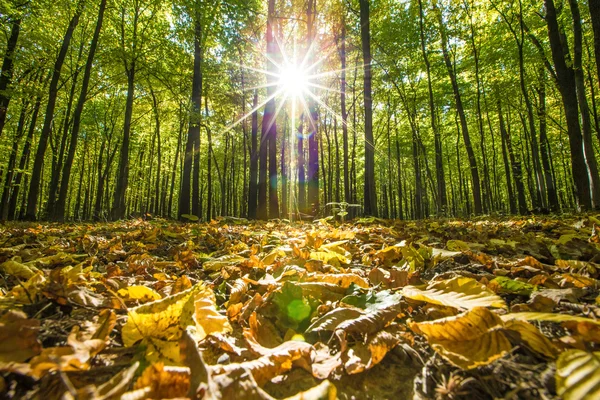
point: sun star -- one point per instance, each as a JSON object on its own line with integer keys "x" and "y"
{"x": 293, "y": 80}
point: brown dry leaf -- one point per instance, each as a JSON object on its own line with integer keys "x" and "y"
{"x": 164, "y": 382}
{"x": 18, "y": 337}
{"x": 467, "y": 340}
{"x": 586, "y": 330}
{"x": 264, "y": 331}
{"x": 273, "y": 362}
{"x": 331, "y": 320}
{"x": 181, "y": 284}
{"x": 74, "y": 357}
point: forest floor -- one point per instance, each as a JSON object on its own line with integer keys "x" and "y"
{"x": 371, "y": 309}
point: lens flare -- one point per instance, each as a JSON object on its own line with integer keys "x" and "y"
{"x": 293, "y": 80}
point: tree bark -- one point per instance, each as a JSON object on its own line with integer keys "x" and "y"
{"x": 252, "y": 184}
{"x": 7, "y": 70}
{"x": 370, "y": 195}
{"x": 567, "y": 87}
{"x": 193, "y": 137}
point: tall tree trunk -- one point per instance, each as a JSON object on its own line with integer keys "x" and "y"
{"x": 442, "y": 202}
{"x": 38, "y": 164}
{"x": 370, "y": 196}
{"x": 252, "y": 184}
{"x": 567, "y": 87}
{"x": 313, "y": 119}
{"x": 59, "y": 213}
{"x": 10, "y": 169}
{"x": 301, "y": 168}
{"x": 553, "y": 203}
{"x": 595, "y": 17}
{"x": 157, "y": 186}
{"x": 267, "y": 179}
{"x": 119, "y": 206}
{"x": 584, "y": 109}
{"x": 190, "y": 166}
{"x": 515, "y": 164}
{"x": 12, "y": 208}
{"x": 476, "y": 185}
{"x": 347, "y": 195}
{"x": 7, "y": 70}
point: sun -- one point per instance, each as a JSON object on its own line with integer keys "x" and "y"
{"x": 294, "y": 80}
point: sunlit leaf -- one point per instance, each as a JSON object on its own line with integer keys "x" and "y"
{"x": 468, "y": 340}
{"x": 578, "y": 375}
{"x": 458, "y": 292}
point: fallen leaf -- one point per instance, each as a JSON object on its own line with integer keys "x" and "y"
{"x": 459, "y": 292}
{"x": 468, "y": 340}
{"x": 578, "y": 375}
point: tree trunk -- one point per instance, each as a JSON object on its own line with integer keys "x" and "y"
{"x": 586, "y": 120}
{"x": 38, "y": 164}
{"x": 252, "y": 184}
{"x": 567, "y": 87}
{"x": 267, "y": 180}
{"x": 192, "y": 146}
{"x": 370, "y": 196}
{"x": 595, "y": 17}
{"x": 7, "y": 70}
{"x": 515, "y": 163}
{"x": 6, "y": 193}
{"x": 553, "y": 203}
{"x": 301, "y": 168}
{"x": 347, "y": 195}
{"x": 313, "y": 119}
{"x": 463, "y": 119}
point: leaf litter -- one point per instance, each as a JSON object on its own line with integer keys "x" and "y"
{"x": 372, "y": 309}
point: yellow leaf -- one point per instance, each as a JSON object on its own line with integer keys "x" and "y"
{"x": 342, "y": 280}
{"x": 15, "y": 268}
{"x": 468, "y": 340}
{"x": 459, "y": 292}
{"x": 160, "y": 324}
{"x": 272, "y": 256}
{"x": 540, "y": 316}
{"x": 578, "y": 375}
{"x": 329, "y": 257}
{"x": 139, "y": 293}
{"x": 324, "y": 391}
{"x": 533, "y": 338}
{"x": 27, "y": 293}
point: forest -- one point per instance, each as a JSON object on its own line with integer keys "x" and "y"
{"x": 300, "y": 199}
{"x": 287, "y": 109}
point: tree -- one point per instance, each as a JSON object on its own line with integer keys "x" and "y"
{"x": 370, "y": 196}
{"x": 59, "y": 213}
{"x": 32, "y": 199}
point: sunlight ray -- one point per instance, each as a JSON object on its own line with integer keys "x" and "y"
{"x": 249, "y": 113}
